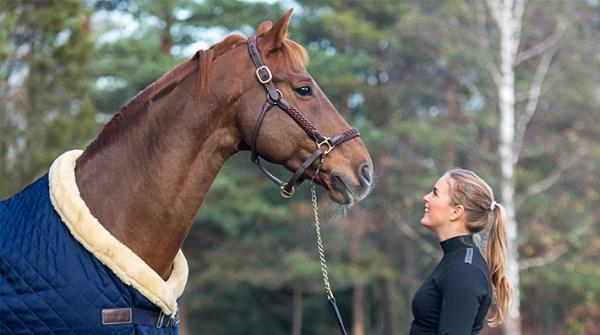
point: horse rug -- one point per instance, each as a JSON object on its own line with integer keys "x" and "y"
{"x": 62, "y": 272}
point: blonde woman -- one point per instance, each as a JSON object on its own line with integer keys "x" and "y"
{"x": 456, "y": 296}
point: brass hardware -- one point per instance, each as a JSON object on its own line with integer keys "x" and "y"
{"x": 278, "y": 92}
{"x": 284, "y": 193}
{"x": 268, "y": 72}
{"x": 326, "y": 142}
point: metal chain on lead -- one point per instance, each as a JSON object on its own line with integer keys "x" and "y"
{"x": 330, "y": 297}
{"x": 320, "y": 247}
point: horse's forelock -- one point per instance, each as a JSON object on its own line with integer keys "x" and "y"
{"x": 296, "y": 55}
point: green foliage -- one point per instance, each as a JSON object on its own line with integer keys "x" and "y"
{"x": 412, "y": 76}
{"x": 46, "y": 49}
{"x": 126, "y": 67}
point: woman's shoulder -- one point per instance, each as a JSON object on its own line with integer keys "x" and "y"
{"x": 464, "y": 262}
{"x": 467, "y": 255}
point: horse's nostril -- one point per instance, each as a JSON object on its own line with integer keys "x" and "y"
{"x": 366, "y": 174}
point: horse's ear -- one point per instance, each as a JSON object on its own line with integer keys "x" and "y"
{"x": 275, "y": 36}
{"x": 264, "y": 27}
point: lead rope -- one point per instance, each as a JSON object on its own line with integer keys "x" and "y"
{"x": 321, "y": 249}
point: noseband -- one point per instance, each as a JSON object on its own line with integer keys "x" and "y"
{"x": 324, "y": 144}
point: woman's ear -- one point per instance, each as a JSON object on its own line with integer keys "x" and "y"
{"x": 456, "y": 212}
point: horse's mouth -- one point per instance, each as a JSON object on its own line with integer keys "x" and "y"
{"x": 339, "y": 191}
{"x": 342, "y": 191}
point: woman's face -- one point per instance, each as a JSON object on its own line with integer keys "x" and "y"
{"x": 437, "y": 205}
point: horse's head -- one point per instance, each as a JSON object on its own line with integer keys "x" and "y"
{"x": 283, "y": 116}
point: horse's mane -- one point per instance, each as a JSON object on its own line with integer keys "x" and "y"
{"x": 135, "y": 106}
{"x": 294, "y": 55}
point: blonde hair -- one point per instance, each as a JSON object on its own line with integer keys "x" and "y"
{"x": 476, "y": 196}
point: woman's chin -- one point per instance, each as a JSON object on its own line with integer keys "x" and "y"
{"x": 425, "y": 222}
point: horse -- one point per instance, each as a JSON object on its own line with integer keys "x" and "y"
{"x": 110, "y": 221}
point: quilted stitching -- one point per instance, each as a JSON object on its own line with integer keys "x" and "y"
{"x": 49, "y": 284}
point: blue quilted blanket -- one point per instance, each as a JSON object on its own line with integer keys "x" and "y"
{"x": 61, "y": 272}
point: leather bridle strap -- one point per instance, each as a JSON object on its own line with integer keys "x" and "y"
{"x": 275, "y": 97}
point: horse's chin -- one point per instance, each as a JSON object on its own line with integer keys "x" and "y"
{"x": 342, "y": 198}
{"x": 339, "y": 191}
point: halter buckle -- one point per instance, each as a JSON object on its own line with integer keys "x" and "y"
{"x": 264, "y": 74}
{"x": 327, "y": 143}
{"x": 275, "y": 101}
{"x": 284, "y": 193}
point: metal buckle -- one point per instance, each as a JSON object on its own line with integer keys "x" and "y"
{"x": 284, "y": 193}
{"x": 327, "y": 142}
{"x": 161, "y": 318}
{"x": 278, "y": 99}
{"x": 159, "y": 321}
{"x": 264, "y": 74}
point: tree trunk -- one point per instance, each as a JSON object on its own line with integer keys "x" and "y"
{"x": 183, "y": 329}
{"x": 452, "y": 107}
{"x": 358, "y": 308}
{"x": 297, "y": 312}
{"x": 388, "y": 310}
{"x": 358, "y": 298}
{"x": 166, "y": 39}
{"x": 509, "y": 30}
{"x": 389, "y": 314}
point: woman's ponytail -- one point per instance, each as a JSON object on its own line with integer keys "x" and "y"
{"x": 496, "y": 258}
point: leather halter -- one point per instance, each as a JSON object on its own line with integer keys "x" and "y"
{"x": 275, "y": 97}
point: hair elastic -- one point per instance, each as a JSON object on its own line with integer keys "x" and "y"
{"x": 493, "y": 205}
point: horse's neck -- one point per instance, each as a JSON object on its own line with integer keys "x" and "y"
{"x": 146, "y": 184}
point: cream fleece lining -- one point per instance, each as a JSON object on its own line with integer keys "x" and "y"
{"x": 86, "y": 229}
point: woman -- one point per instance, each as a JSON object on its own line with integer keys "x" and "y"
{"x": 456, "y": 296}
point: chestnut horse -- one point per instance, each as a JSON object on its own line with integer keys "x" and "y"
{"x": 147, "y": 173}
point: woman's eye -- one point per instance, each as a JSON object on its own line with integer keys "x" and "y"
{"x": 304, "y": 91}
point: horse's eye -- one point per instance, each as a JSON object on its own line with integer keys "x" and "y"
{"x": 304, "y": 91}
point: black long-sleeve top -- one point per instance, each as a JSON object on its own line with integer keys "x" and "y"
{"x": 456, "y": 296}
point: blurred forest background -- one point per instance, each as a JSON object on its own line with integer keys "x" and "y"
{"x": 509, "y": 89}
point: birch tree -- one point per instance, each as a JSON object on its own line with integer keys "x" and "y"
{"x": 508, "y": 16}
